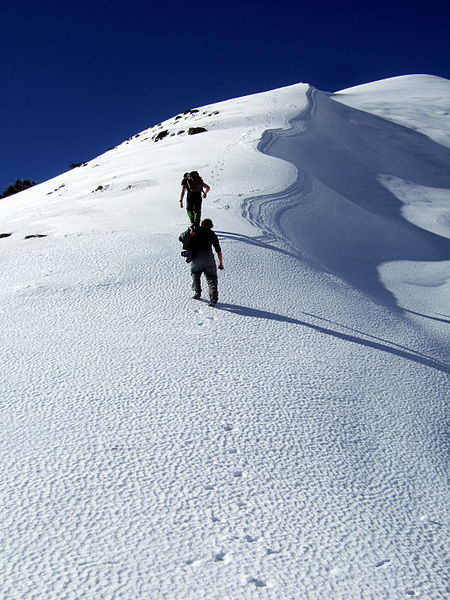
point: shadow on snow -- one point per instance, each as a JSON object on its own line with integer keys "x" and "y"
{"x": 355, "y": 223}
{"x": 374, "y": 343}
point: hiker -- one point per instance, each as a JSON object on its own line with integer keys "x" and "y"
{"x": 196, "y": 190}
{"x": 197, "y": 242}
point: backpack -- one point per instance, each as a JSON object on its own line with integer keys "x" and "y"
{"x": 194, "y": 182}
{"x": 188, "y": 251}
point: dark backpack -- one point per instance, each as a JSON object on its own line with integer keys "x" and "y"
{"x": 188, "y": 250}
{"x": 194, "y": 182}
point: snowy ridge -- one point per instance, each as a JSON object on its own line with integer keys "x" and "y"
{"x": 289, "y": 444}
{"x": 344, "y": 176}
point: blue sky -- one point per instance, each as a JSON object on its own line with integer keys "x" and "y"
{"x": 80, "y": 78}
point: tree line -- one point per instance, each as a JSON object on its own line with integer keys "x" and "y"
{"x": 24, "y": 184}
{"x": 19, "y": 186}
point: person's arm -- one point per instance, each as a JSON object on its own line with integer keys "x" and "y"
{"x": 218, "y": 249}
{"x": 183, "y": 191}
{"x": 206, "y": 189}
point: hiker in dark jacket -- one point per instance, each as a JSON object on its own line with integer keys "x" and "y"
{"x": 197, "y": 190}
{"x": 199, "y": 240}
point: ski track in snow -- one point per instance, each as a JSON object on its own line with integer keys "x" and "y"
{"x": 302, "y": 455}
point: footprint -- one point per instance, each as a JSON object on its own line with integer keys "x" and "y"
{"x": 193, "y": 561}
{"x": 237, "y": 474}
{"x": 228, "y": 427}
{"x": 382, "y": 562}
{"x": 259, "y": 583}
{"x": 250, "y": 539}
{"x": 221, "y": 557}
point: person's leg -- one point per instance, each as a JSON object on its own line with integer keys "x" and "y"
{"x": 211, "y": 278}
{"x": 196, "y": 281}
{"x": 197, "y": 209}
{"x": 192, "y": 216}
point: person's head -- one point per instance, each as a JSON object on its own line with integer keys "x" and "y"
{"x": 207, "y": 223}
{"x": 193, "y": 229}
{"x": 193, "y": 174}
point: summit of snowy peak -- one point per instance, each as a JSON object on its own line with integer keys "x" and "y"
{"x": 399, "y": 85}
{"x": 128, "y": 186}
{"x": 419, "y": 102}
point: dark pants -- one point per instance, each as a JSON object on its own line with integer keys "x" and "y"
{"x": 194, "y": 206}
{"x": 194, "y": 216}
{"x": 209, "y": 269}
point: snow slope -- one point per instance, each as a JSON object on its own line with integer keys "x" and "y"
{"x": 289, "y": 444}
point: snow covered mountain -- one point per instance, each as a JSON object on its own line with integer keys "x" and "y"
{"x": 288, "y": 444}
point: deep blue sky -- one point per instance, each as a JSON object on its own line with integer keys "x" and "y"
{"x": 78, "y": 78}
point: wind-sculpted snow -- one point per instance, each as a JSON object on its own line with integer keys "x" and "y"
{"x": 289, "y": 444}
{"x": 340, "y": 211}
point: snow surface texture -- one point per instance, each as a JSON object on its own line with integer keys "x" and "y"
{"x": 292, "y": 442}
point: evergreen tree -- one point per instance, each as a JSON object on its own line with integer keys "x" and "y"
{"x": 19, "y": 186}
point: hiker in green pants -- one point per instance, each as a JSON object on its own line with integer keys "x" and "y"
{"x": 196, "y": 190}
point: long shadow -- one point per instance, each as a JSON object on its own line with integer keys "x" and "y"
{"x": 259, "y": 241}
{"x": 413, "y": 312}
{"x": 361, "y": 225}
{"x": 374, "y": 337}
{"x": 412, "y": 355}
{"x": 256, "y": 241}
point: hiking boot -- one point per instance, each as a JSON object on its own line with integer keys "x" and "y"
{"x": 212, "y": 304}
{"x": 196, "y": 297}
